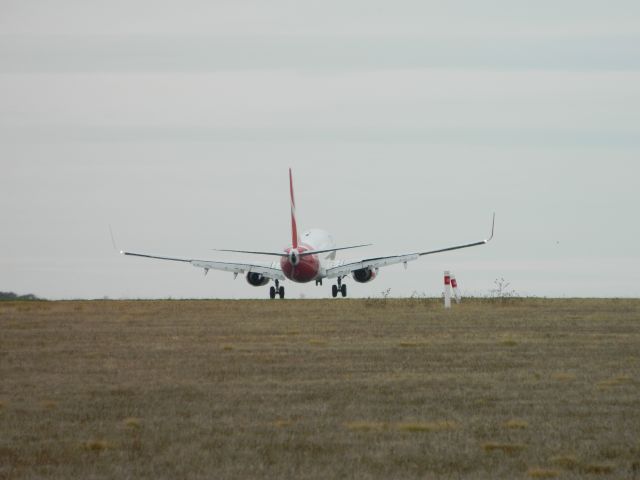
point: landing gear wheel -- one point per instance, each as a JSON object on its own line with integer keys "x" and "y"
{"x": 339, "y": 288}
{"x": 281, "y": 292}
{"x": 272, "y": 292}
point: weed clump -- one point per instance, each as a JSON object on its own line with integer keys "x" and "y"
{"x": 502, "y": 293}
{"x": 563, "y": 377}
{"x": 132, "y": 422}
{"x": 439, "y": 426}
{"x": 516, "y": 424}
{"x": 599, "y": 469}
{"x": 96, "y": 445}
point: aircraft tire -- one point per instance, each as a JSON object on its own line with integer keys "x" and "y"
{"x": 281, "y": 292}
{"x": 343, "y": 290}
{"x": 272, "y": 292}
{"x": 334, "y": 291}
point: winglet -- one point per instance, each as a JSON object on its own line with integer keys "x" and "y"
{"x": 493, "y": 226}
{"x": 295, "y": 239}
{"x": 113, "y": 241}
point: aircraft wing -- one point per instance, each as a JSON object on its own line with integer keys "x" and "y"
{"x": 377, "y": 262}
{"x": 347, "y": 268}
{"x": 234, "y": 267}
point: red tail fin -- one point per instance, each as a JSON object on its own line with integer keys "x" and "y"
{"x": 294, "y": 227}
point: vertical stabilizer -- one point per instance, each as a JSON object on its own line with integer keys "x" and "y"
{"x": 294, "y": 226}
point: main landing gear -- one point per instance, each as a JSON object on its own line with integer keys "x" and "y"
{"x": 340, "y": 287}
{"x": 277, "y": 290}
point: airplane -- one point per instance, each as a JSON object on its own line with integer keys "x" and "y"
{"x": 310, "y": 258}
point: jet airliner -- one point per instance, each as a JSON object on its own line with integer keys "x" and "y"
{"x": 310, "y": 258}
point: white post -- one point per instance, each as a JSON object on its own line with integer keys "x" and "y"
{"x": 454, "y": 285}
{"x": 447, "y": 289}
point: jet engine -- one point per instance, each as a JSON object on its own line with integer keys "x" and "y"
{"x": 364, "y": 275}
{"x": 257, "y": 279}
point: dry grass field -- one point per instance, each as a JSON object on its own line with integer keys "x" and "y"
{"x": 320, "y": 389}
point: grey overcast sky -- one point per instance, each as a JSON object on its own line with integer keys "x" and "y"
{"x": 406, "y": 124}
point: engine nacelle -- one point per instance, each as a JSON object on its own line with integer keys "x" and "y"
{"x": 257, "y": 279}
{"x": 364, "y": 275}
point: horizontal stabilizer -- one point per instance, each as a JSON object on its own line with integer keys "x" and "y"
{"x": 313, "y": 252}
{"x": 284, "y": 254}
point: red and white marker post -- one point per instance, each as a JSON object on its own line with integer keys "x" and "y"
{"x": 454, "y": 285}
{"x": 447, "y": 289}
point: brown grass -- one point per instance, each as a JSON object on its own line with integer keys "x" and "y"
{"x": 563, "y": 377}
{"x": 568, "y": 462}
{"x": 319, "y": 389}
{"x": 615, "y": 381}
{"x": 48, "y": 404}
{"x": 542, "y": 473}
